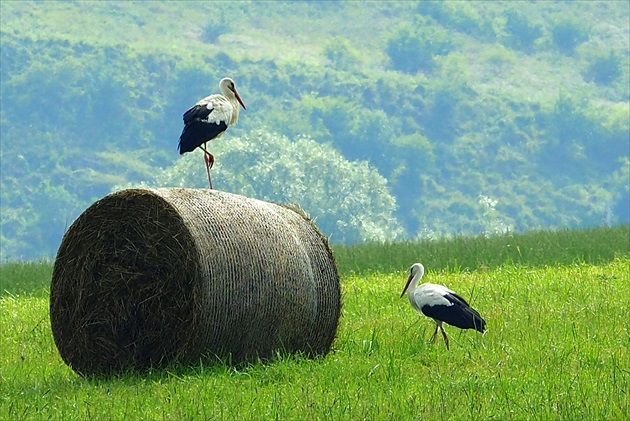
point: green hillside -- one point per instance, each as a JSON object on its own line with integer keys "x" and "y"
{"x": 473, "y": 117}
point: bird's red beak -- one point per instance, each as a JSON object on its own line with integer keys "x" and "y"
{"x": 238, "y": 98}
{"x": 406, "y": 285}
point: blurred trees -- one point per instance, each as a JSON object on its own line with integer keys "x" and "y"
{"x": 458, "y": 16}
{"x": 444, "y": 135}
{"x": 413, "y": 47}
{"x": 342, "y": 54}
{"x": 604, "y": 68}
{"x": 567, "y": 33}
{"x": 349, "y": 200}
{"x": 522, "y": 30}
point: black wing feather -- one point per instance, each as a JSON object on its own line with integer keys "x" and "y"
{"x": 197, "y": 132}
{"x": 455, "y": 295}
{"x": 196, "y": 112}
{"x": 460, "y": 314}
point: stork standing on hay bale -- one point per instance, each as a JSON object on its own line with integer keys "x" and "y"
{"x": 208, "y": 119}
{"x": 441, "y": 304}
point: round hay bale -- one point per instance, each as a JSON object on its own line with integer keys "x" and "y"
{"x": 144, "y": 278}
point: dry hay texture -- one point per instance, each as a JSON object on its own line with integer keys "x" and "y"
{"x": 145, "y": 278}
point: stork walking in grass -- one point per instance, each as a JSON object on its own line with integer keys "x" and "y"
{"x": 208, "y": 119}
{"x": 441, "y": 304}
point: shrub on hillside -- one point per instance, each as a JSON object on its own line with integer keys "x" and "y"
{"x": 604, "y": 69}
{"x": 216, "y": 26}
{"x": 341, "y": 54}
{"x": 412, "y": 48}
{"x": 460, "y": 16}
{"x": 522, "y": 30}
{"x": 567, "y": 34}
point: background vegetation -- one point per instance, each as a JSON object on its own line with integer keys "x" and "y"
{"x": 556, "y": 346}
{"x": 441, "y": 118}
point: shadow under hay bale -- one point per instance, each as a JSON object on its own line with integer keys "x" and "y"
{"x": 144, "y": 278}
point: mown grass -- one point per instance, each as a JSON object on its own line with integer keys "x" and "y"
{"x": 556, "y": 348}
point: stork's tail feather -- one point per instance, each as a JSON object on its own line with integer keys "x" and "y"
{"x": 192, "y": 136}
{"x": 479, "y": 324}
{"x": 196, "y": 133}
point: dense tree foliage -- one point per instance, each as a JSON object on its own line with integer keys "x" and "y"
{"x": 568, "y": 33}
{"x": 605, "y": 69}
{"x": 349, "y": 200}
{"x": 522, "y": 30}
{"x": 413, "y": 47}
{"x": 408, "y": 119}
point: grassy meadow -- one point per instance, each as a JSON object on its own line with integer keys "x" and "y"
{"x": 556, "y": 347}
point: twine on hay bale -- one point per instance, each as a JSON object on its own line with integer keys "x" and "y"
{"x": 147, "y": 277}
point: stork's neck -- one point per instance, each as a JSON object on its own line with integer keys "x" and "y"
{"x": 235, "y": 107}
{"x": 412, "y": 287}
{"x": 417, "y": 272}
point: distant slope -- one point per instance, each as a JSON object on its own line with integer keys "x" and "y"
{"x": 501, "y": 129}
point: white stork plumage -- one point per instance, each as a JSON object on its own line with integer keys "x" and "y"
{"x": 208, "y": 119}
{"x": 441, "y": 304}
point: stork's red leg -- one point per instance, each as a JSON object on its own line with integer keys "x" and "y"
{"x": 445, "y": 338}
{"x": 208, "y": 156}
{"x": 434, "y": 334}
{"x": 209, "y": 160}
{"x": 208, "y": 172}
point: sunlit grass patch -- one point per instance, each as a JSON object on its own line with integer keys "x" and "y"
{"x": 556, "y": 348}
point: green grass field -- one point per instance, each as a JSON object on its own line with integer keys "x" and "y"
{"x": 556, "y": 346}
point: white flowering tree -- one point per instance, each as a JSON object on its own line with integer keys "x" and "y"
{"x": 350, "y": 201}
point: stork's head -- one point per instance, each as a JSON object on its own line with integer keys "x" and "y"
{"x": 228, "y": 88}
{"x": 415, "y": 273}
